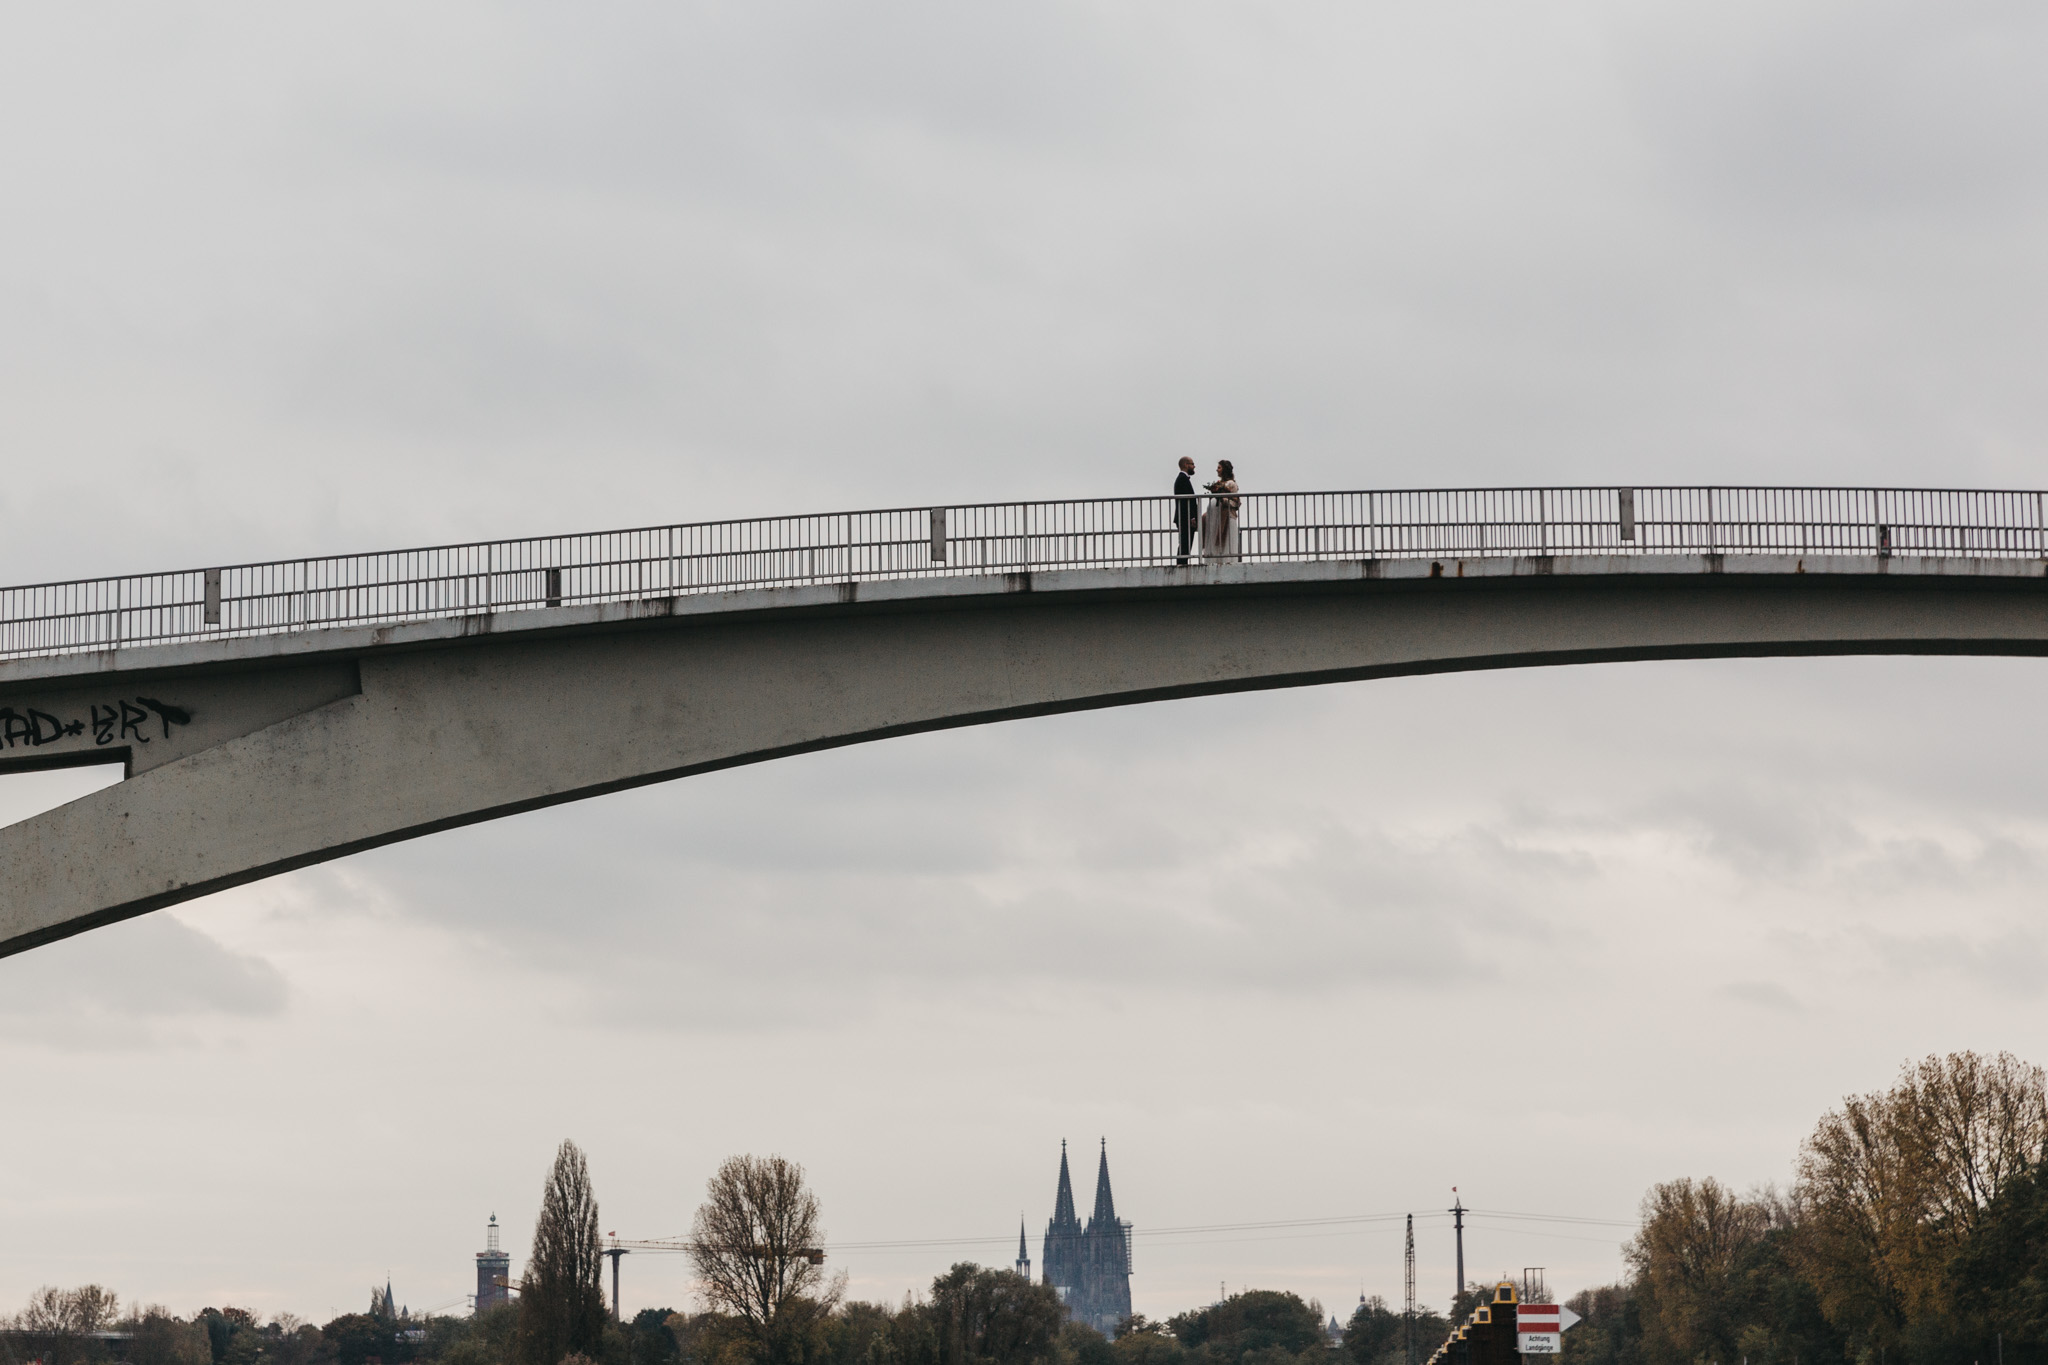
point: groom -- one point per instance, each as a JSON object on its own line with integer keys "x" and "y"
{"x": 1184, "y": 503}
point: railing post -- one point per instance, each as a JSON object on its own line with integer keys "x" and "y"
{"x": 938, "y": 535}
{"x": 1628, "y": 514}
{"x": 213, "y": 597}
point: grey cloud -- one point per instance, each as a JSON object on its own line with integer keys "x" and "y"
{"x": 1757, "y": 830}
{"x": 122, "y": 985}
{"x": 1850, "y": 110}
{"x": 1764, "y": 994}
{"x": 2013, "y": 963}
{"x": 1247, "y": 908}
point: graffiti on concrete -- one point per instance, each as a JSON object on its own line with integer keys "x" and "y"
{"x": 121, "y": 721}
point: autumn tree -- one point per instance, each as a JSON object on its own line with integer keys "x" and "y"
{"x": 561, "y": 1299}
{"x": 757, "y": 1246}
{"x": 1892, "y": 1186}
{"x": 1696, "y": 1236}
{"x": 58, "y": 1323}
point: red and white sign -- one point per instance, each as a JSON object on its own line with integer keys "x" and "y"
{"x": 1539, "y": 1327}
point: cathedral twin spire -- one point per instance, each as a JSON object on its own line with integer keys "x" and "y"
{"x": 1091, "y": 1268}
{"x": 1063, "y": 1215}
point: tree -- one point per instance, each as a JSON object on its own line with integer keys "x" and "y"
{"x": 756, "y": 1245}
{"x": 862, "y": 1334}
{"x": 488, "y": 1338}
{"x": 287, "y": 1341}
{"x": 993, "y": 1317}
{"x": 160, "y": 1338}
{"x": 1894, "y": 1184}
{"x": 1999, "y": 1280}
{"x": 1376, "y": 1332}
{"x": 650, "y": 1340}
{"x": 1687, "y": 1260}
{"x": 1080, "y": 1344}
{"x": 1609, "y": 1330}
{"x": 1148, "y": 1347}
{"x": 356, "y": 1338}
{"x": 59, "y": 1323}
{"x": 1254, "y": 1322}
{"x": 561, "y": 1300}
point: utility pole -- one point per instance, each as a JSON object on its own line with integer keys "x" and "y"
{"x": 1408, "y": 1300}
{"x": 1457, "y": 1212}
{"x": 615, "y": 1251}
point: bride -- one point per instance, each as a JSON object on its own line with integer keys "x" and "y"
{"x": 1219, "y": 523}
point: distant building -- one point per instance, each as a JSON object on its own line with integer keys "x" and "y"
{"x": 1023, "y": 1266}
{"x": 493, "y": 1268}
{"x": 1091, "y": 1266}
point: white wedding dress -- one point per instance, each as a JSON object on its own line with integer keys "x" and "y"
{"x": 1219, "y": 525}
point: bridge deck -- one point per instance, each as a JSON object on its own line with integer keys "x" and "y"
{"x": 627, "y": 569}
{"x": 313, "y": 643}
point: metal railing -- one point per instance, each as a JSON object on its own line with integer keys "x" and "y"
{"x": 284, "y": 596}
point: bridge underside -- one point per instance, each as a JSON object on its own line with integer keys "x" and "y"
{"x": 255, "y": 756}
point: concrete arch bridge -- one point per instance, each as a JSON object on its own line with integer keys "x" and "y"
{"x": 271, "y": 716}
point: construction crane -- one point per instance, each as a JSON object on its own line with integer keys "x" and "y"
{"x": 626, "y": 1246}
{"x": 615, "y": 1251}
{"x": 759, "y": 1251}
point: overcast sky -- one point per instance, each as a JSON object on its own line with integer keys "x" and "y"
{"x": 278, "y": 281}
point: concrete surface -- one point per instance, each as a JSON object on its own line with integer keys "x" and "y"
{"x": 295, "y": 749}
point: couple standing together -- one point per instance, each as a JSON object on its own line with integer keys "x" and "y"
{"x": 1218, "y": 525}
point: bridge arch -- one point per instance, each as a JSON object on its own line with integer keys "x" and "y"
{"x": 264, "y": 752}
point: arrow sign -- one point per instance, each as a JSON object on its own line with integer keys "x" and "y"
{"x": 1539, "y": 1327}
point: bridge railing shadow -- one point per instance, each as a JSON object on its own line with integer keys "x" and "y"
{"x": 447, "y": 581}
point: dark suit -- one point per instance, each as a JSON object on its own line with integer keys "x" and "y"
{"x": 1184, "y": 514}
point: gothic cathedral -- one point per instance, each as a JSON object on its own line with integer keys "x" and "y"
{"x": 1091, "y": 1266}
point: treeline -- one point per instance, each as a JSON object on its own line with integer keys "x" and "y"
{"x": 972, "y": 1316}
{"x": 756, "y": 1245}
{"x": 1915, "y": 1233}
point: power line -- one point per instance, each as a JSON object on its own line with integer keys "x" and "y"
{"x": 1305, "y": 1227}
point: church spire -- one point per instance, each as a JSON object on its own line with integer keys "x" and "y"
{"x": 1023, "y": 1252}
{"x": 1063, "y": 1203}
{"x": 1105, "y": 1203}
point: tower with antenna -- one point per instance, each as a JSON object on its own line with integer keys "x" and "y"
{"x": 1408, "y": 1344}
{"x": 493, "y": 1268}
{"x": 1457, "y": 1212}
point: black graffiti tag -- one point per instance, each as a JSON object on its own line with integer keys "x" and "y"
{"x": 170, "y": 715}
{"x": 35, "y": 729}
{"x": 116, "y": 722}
